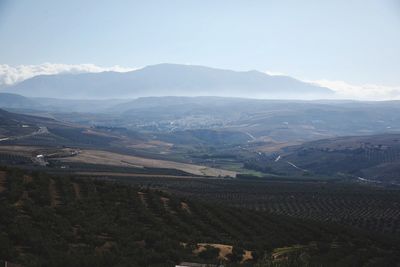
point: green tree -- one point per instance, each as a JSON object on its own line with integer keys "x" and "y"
{"x": 209, "y": 253}
{"x": 236, "y": 255}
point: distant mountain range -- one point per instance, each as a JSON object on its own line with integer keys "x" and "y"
{"x": 167, "y": 80}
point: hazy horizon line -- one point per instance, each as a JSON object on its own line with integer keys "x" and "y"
{"x": 10, "y": 75}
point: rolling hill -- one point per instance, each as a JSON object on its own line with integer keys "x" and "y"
{"x": 279, "y": 120}
{"x": 374, "y": 158}
{"x": 59, "y": 221}
{"x": 24, "y": 137}
{"x": 166, "y": 80}
{"x": 14, "y": 126}
{"x": 276, "y": 120}
{"x": 8, "y": 100}
{"x": 15, "y": 102}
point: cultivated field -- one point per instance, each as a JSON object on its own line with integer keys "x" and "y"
{"x": 374, "y": 209}
{"x": 87, "y": 222}
{"x": 114, "y": 159}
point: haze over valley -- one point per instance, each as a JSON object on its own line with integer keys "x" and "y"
{"x": 199, "y": 133}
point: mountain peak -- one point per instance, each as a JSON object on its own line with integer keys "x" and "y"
{"x": 169, "y": 79}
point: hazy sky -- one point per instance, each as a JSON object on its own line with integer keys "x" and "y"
{"x": 353, "y": 41}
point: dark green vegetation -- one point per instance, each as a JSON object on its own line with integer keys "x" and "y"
{"x": 368, "y": 208}
{"x": 53, "y": 221}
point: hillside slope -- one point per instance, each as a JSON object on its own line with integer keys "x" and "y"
{"x": 52, "y": 221}
{"x": 17, "y": 101}
{"x": 369, "y": 158}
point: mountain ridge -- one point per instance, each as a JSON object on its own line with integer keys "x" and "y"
{"x": 165, "y": 80}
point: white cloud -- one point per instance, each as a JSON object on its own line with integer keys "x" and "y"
{"x": 274, "y": 73}
{"x": 10, "y": 74}
{"x": 346, "y": 90}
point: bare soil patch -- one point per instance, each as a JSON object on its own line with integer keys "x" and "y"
{"x": 115, "y": 159}
{"x": 123, "y": 174}
{"x": 224, "y": 251}
{"x": 185, "y": 207}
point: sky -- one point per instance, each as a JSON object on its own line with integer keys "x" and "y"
{"x": 341, "y": 43}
